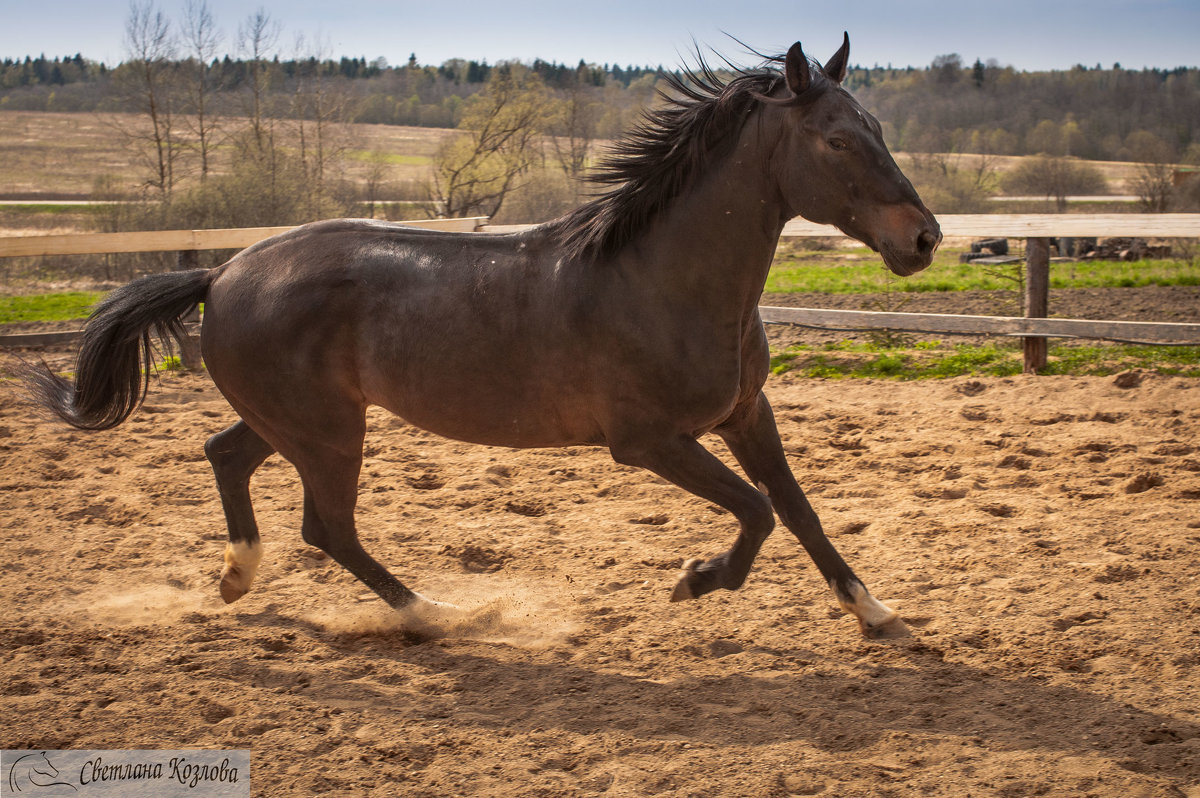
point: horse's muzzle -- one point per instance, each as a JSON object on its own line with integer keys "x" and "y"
{"x": 912, "y": 249}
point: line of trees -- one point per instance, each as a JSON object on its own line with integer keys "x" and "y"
{"x": 1094, "y": 113}
{"x": 1103, "y": 113}
{"x": 379, "y": 93}
{"x": 260, "y": 140}
{"x": 31, "y": 73}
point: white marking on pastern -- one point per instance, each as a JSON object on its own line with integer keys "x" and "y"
{"x": 241, "y": 563}
{"x": 870, "y": 611}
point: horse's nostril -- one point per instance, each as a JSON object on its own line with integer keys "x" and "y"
{"x": 927, "y": 241}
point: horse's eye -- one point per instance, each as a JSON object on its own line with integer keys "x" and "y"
{"x": 838, "y": 144}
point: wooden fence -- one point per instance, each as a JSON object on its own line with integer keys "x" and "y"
{"x": 185, "y": 243}
{"x": 1034, "y": 328}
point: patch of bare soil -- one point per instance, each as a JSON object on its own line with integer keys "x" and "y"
{"x": 1148, "y": 303}
{"x": 1038, "y": 534}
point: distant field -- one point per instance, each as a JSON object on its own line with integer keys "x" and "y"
{"x": 390, "y": 158}
{"x": 46, "y": 157}
{"x": 58, "y": 156}
{"x": 1118, "y": 174}
{"x": 61, "y": 155}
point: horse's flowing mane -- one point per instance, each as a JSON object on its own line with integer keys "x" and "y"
{"x": 649, "y": 166}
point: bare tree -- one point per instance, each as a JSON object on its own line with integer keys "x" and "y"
{"x": 149, "y": 75}
{"x": 202, "y": 40}
{"x": 954, "y": 182}
{"x": 1055, "y": 177}
{"x": 573, "y": 126}
{"x": 1155, "y": 180}
{"x": 377, "y": 171}
{"x": 947, "y": 69}
{"x": 319, "y": 105}
{"x": 475, "y": 171}
{"x": 257, "y": 38}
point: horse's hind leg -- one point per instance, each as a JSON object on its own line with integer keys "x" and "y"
{"x": 329, "y": 461}
{"x": 754, "y": 440}
{"x": 235, "y": 454}
{"x": 683, "y": 461}
{"x": 329, "y": 525}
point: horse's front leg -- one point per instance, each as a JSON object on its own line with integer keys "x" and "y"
{"x": 753, "y": 438}
{"x": 683, "y": 461}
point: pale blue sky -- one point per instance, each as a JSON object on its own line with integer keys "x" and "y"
{"x": 1026, "y": 34}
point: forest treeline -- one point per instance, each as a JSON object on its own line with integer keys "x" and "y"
{"x": 1098, "y": 112}
{"x": 376, "y": 92}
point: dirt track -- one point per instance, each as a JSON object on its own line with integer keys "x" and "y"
{"x": 1039, "y": 535}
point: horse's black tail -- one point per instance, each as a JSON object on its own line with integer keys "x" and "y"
{"x": 112, "y": 370}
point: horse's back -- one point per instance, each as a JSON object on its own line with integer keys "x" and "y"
{"x": 349, "y": 272}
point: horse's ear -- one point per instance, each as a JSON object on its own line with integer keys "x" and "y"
{"x": 835, "y": 67}
{"x": 796, "y": 69}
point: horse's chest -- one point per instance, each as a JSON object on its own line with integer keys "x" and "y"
{"x": 704, "y": 380}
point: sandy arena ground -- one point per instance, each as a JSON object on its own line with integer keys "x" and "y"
{"x": 1040, "y": 536}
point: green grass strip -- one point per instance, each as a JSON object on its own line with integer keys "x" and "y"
{"x": 826, "y": 273}
{"x": 932, "y": 360}
{"x": 52, "y": 209}
{"x": 390, "y": 158}
{"x": 48, "y": 307}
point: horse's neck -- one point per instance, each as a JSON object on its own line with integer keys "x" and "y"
{"x": 716, "y": 240}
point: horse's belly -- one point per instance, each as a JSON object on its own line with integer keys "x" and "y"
{"x": 493, "y": 424}
{"x": 490, "y": 400}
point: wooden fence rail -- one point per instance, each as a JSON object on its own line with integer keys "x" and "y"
{"x": 176, "y": 240}
{"x": 1034, "y": 328}
{"x": 1149, "y": 332}
{"x": 1009, "y": 225}
{"x": 1044, "y": 225}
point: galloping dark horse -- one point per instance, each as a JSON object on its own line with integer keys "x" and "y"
{"x": 631, "y": 323}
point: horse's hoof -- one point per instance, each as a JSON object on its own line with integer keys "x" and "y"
{"x": 893, "y": 628}
{"x": 685, "y": 588}
{"x": 231, "y": 587}
{"x": 241, "y": 563}
{"x": 876, "y": 620}
{"x": 682, "y": 591}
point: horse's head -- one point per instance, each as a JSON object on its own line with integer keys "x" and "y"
{"x": 835, "y": 169}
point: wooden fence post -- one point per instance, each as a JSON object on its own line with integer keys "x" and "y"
{"x": 1037, "y": 299}
{"x": 189, "y": 347}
